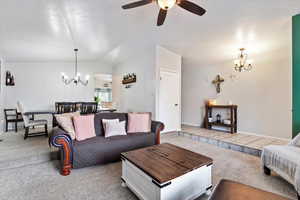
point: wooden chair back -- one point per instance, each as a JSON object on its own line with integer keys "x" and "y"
{"x": 26, "y": 118}
{"x": 89, "y": 107}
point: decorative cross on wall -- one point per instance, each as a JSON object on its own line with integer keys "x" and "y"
{"x": 217, "y": 82}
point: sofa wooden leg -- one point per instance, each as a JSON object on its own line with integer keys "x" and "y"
{"x": 66, "y": 170}
{"x": 298, "y": 195}
{"x": 267, "y": 171}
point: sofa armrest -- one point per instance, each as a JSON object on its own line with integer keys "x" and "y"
{"x": 60, "y": 139}
{"x": 157, "y": 127}
{"x": 295, "y": 141}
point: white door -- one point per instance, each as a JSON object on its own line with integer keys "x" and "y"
{"x": 169, "y": 101}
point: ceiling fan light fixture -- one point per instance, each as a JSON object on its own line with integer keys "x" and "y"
{"x": 166, "y": 4}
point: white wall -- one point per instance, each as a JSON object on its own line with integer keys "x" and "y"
{"x": 167, "y": 59}
{"x": 39, "y": 85}
{"x": 2, "y": 82}
{"x": 263, "y": 95}
{"x": 145, "y": 61}
{"x": 141, "y": 96}
{"x": 100, "y": 82}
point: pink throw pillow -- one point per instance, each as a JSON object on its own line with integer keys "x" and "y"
{"x": 139, "y": 122}
{"x": 84, "y": 127}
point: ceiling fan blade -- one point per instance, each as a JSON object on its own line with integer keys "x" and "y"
{"x": 137, "y": 4}
{"x": 161, "y": 17}
{"x": 193, "y": 8}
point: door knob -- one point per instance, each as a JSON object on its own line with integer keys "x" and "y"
{"x": 176, "y": 104}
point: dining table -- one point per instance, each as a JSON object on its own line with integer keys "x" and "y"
{"x": 107, "y": 110}
{"x": 40, "y": 112}
{"x": 32, "y": 113}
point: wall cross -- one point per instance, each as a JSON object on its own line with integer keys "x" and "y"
{"x": 217, "y": 82}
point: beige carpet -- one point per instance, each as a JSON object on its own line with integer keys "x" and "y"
{"x": 43, "y": 181}
{"x": 17, "y": 152}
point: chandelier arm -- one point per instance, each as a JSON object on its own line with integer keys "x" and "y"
{"x": 67, "y": 81}
{"x": 70, "y": 81}
{"x": 249, "y": 67}
{"x": 85, "y": 83}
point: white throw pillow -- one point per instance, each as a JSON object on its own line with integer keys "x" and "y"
{"x": 114, "y": 129}
{"x": 106, "y": 121}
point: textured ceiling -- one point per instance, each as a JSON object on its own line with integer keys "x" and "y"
{"x": 48, "y": 30}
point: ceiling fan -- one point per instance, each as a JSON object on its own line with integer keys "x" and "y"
{"x": 165, "y": 5}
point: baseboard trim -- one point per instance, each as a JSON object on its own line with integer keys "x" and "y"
{"x": 190, "y": 124}
{"x": 267, "y": 136}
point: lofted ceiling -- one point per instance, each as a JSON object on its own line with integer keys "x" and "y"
{"x": 48, "y": 30}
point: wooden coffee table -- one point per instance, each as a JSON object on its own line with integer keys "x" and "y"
{"x": 166, "y": 172}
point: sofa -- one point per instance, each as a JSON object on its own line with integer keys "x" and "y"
{"x": 285, "y": 161}
{"x": 100, "y": 150}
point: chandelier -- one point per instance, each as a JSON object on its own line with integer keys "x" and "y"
{"x": 77, "y": 78}
{"x": 242, "y": 63}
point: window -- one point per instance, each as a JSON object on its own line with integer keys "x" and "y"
{"x": 103, "y": 94}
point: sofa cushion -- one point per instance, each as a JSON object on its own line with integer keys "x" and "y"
{"x": 100, "y": 150}
{"x": 98, "y": 120}
{"x": 84, "y": 127}
{"x": 139, "y": 122}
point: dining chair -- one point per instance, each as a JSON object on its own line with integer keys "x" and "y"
{"x": 32, "y": 123}
{"x": 89, "y": 108}
{"x": 12, "y": 117}
{"x": 65, "y": 107}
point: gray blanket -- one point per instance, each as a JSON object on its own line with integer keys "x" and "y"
{"x": 285, "y": 161}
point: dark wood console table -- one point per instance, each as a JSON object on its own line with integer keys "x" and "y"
{"x": 233, "y": 117}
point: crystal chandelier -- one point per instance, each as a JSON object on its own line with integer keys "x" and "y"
{"x": 242, "y": 63}
{"x": 77, "y": 78}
